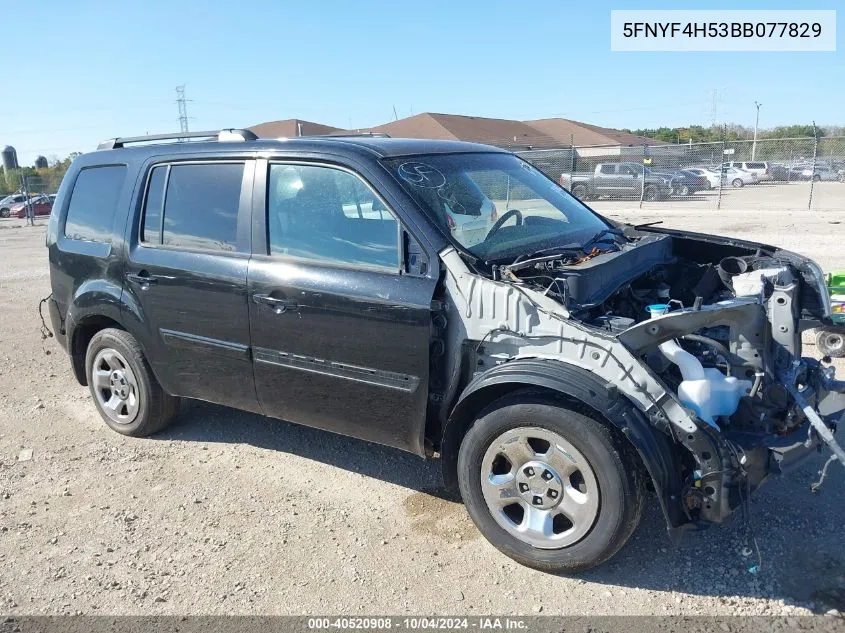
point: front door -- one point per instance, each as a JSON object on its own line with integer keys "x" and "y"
{"x": 186, "y": 276}
{"x": 340, "y": 332}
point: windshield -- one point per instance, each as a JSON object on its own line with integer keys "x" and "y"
{"x": 495, "y": 205}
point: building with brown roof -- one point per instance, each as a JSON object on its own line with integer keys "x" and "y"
{"x": 288, "y": 128}
{"x": 539, "y": 134}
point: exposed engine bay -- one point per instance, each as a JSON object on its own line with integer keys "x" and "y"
{"x": 715, "y": 324}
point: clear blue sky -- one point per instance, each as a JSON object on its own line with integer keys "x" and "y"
{"x": 77, "y": 72}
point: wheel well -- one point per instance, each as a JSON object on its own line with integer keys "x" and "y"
{"x": 467, "y": 411}
{"x": 82, "y": 335}
{"x": 655, "y": 452}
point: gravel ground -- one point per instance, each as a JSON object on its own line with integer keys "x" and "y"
{"x": 232, "y": 513}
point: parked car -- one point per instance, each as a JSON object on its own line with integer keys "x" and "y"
{"x": 779, "y": 172}
{"x": 544, "y": 365}
{"x": 817, "y": 173}
{"x": 7, "y": 202}
{"x": 618, "y": 180}
{"x": 41, "y": 205}
{"x": 758, "y": 168}
{"x": 736, "y": 177}
{"x": 710, "y": 175}
{"x": 686, "y": 182}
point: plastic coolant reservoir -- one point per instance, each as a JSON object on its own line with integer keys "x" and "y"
{"x": 707, "y": 391}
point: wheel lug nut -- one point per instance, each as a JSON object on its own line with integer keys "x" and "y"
{"x": 538, "y": 501}
{"x": 547, "y": 475}
{"x": 529, "y": 471}
{"x": 523, "y": 487}
{"x": 553, "y": 493}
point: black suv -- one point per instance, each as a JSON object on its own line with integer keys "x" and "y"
{"x": 446, "y": 299}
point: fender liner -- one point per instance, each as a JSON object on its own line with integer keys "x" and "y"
{"x": 655, "y": 448}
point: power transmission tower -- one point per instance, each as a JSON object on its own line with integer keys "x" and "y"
{"x": 183, "y": 108}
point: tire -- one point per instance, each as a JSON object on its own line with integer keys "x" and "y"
{"x": 651, "y": 193}
{"x": 609, "y": 482}
{"x": 816, "y": 178}
{"x": 738, "y": 182}
{"x": 580, "y": 191}
{"x": 684, "y": 191}
{"x": 4, "y": 213}
{"x": 140, "y": 407}
{"x": 831, "y": 342}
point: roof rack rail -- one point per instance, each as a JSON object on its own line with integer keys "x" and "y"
{"x": 230, "y": 134}
{"x": 373, "y": 134}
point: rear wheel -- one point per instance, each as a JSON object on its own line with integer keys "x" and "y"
{"x": 548, "y": 486}
{"x": 126, "y": 393}
{"x": 831, "y": 342}
{"x": 4, "y": 213}
{"x": 580, "y": 191}
{"x": 651, "y": 193}
{"x": 738, "y": 182}
{"x": 816, "y": 178}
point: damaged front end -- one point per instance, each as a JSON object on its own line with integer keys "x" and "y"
{"x": 702, "y": 334}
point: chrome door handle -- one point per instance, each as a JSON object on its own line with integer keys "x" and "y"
{"x": 279, "y": 306}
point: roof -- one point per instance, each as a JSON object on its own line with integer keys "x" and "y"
{"x": 502, "y": 132}
{"x": 569, "y": 132}
{"x": 372, "y": 146}
{"x": 289, "y": 128}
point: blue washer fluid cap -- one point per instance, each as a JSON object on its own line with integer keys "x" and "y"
{"x": 657, "y": 309}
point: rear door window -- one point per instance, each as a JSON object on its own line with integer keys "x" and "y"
{"x": 194, "y": 206}
{"x": 93, "y": 203}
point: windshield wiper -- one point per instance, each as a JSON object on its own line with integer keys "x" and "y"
{"x": 608, "y": 231}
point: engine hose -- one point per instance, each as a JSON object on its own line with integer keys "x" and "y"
{"x": 706, "y": 340}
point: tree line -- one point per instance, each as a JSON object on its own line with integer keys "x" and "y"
{"x": 39, "y": 179}
{"x": 732, "y": 132}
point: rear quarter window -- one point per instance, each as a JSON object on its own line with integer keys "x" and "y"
{"x": 93, "y": 203}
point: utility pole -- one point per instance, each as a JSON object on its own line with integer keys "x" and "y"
{"x": 183, "y": 108}
{"x": 756, "y": 123}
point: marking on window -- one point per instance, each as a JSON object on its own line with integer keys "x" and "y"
{"x": 421, "y": 175}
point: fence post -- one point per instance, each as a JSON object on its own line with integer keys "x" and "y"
{"x": 572, "y": 160}
{"x": 642, "y": 180}
{"x": 722, "y": 162}
{"x": 813, "y": 170}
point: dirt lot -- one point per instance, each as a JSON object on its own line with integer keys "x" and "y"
{"x": 228, "y": 512}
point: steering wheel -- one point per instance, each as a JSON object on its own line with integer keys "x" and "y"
{"x": 507, "y": 216}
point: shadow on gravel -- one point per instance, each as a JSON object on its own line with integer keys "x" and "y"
{"x": 799, "y": 535}
{"x": 203, "y": 422}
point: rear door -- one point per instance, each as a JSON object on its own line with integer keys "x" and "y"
{"x": 186, "y": 278}
{"x": 340, "y": 318}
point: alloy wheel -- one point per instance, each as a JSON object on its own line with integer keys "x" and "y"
{"x": 115, "y": 386}
{"x": 539, "y": 487}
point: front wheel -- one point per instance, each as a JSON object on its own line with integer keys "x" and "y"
{"x": 126, "y": 393}
{"x": 816, "y": 178}
{"x": 684, "y": 191}
{"x": 4, "y": 213}
{"x": 548, "y": 486}
{"x": 738, "y": 182}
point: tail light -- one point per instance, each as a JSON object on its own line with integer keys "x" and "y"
{"x": 494, "y": 214}
{"x": 450, "y": 222}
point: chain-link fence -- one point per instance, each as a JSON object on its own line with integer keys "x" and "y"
{"x": 786, "y": 174}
